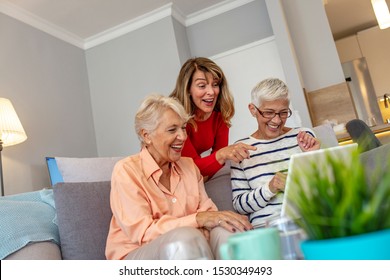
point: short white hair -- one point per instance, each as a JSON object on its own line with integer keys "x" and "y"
{"x": 269, "y": 90}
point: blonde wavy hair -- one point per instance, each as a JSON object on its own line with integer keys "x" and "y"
{"x": 225, "y": 101}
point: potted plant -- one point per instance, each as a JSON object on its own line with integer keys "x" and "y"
{"x": 346, "y": 212}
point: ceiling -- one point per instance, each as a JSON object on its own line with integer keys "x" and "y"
{"x": 347, "y": 17}
{"x": 84, "y": 19}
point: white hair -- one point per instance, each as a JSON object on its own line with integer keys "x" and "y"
{"x": 269, "y": 90}
{"x": 151, "y": 110}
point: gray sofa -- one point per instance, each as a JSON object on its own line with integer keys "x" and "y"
{"x": 83, "y": 216}
{"x": 83, "y": 213}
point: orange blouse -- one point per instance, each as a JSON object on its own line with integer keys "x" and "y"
{"x": 143, "y": 208}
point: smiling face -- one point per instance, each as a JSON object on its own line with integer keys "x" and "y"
{"x": 166, "y": 142}
{"x": 270, "y": 128}
{"x": 204, "y": 91}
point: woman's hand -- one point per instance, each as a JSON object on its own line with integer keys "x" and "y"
{"x": 307, "y": 142}
{"x": 236, "y": 152}
{"x": 229, "y": 220}
{"x": 205, "y": 232}
{"x": 278, "y": 182}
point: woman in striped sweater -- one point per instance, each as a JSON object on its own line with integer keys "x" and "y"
{"x": 258, "y": 182}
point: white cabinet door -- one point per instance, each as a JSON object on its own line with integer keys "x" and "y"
{"x": 375, "y": 46}
{"x": 348, "y": 49}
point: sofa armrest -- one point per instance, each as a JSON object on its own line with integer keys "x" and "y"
{"x": 45, "y": 250}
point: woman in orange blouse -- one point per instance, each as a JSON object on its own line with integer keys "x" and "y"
{"x": 158, "y": 197}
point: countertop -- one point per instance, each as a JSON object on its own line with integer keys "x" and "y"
{"x": 344, "y": 136}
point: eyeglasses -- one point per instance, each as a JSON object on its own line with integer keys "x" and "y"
{"x": 271, "y": 114}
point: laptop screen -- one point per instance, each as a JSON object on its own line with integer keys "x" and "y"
{"x": 298, "y": 162}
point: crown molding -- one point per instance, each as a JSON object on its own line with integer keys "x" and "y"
{"x": 119, "y": 30}
{"x": 244, "y": 48}
{"x": 41, "y": 24}
{"x": 215, "y": 10}
{"x": 129, "y": 26}
{"x": 178, "y": 15}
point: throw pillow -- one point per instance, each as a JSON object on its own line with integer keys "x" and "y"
{"x": 54, "y": 173}
{"x": 97, "y": 169}
{"x": 83, "y": 217}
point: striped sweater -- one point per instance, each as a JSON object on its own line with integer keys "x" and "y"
{"x": 250, "y": 178}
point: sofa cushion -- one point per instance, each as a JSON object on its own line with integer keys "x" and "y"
{"x": 84, "y": 215}
{"x": 96, "y": 169}
{"x": 219, "y": 188}
{"x": 326, "y": 134}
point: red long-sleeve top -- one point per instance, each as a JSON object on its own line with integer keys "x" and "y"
{"x": 213, "y": 134}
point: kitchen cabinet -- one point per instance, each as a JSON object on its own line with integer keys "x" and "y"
{"x": 382, "y": 132}
{"x": 333, "y": 103}
{"x": 348, "y": 49}
{"x": 373, "y": 44}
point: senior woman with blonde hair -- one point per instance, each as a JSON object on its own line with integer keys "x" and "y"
{"x": 158, "y": 198}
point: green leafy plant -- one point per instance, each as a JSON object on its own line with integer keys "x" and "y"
{"x": 344, "y": 201}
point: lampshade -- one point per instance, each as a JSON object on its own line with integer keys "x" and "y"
{"x": 382, "y": 13}
{"x": 11, "y": 130}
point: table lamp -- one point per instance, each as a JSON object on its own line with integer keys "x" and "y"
{"x": 11, "y": 131}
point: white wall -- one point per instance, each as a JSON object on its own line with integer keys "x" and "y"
{"x": 288, "y": 57}
{"x": 244, "y": 68}
{"x": 313, "y": 42}
{"x": 230, "y": 30}
{"x": 46, "y": 80}
{"x": 307, "y": 50}
{"x": 375, "y": 46}
{"x": 121, "y": 73}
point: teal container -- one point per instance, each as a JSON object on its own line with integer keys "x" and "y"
{"x": 256, "y": 244}
{"x": 369, "y": 246}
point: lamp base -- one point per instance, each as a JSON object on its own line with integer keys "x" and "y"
{"x": 1, "y": 169}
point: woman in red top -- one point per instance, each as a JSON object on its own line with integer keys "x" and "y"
{"x": 203, "y": 90}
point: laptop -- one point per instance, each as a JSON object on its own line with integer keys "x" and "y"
{"x": 299, "y": 161}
